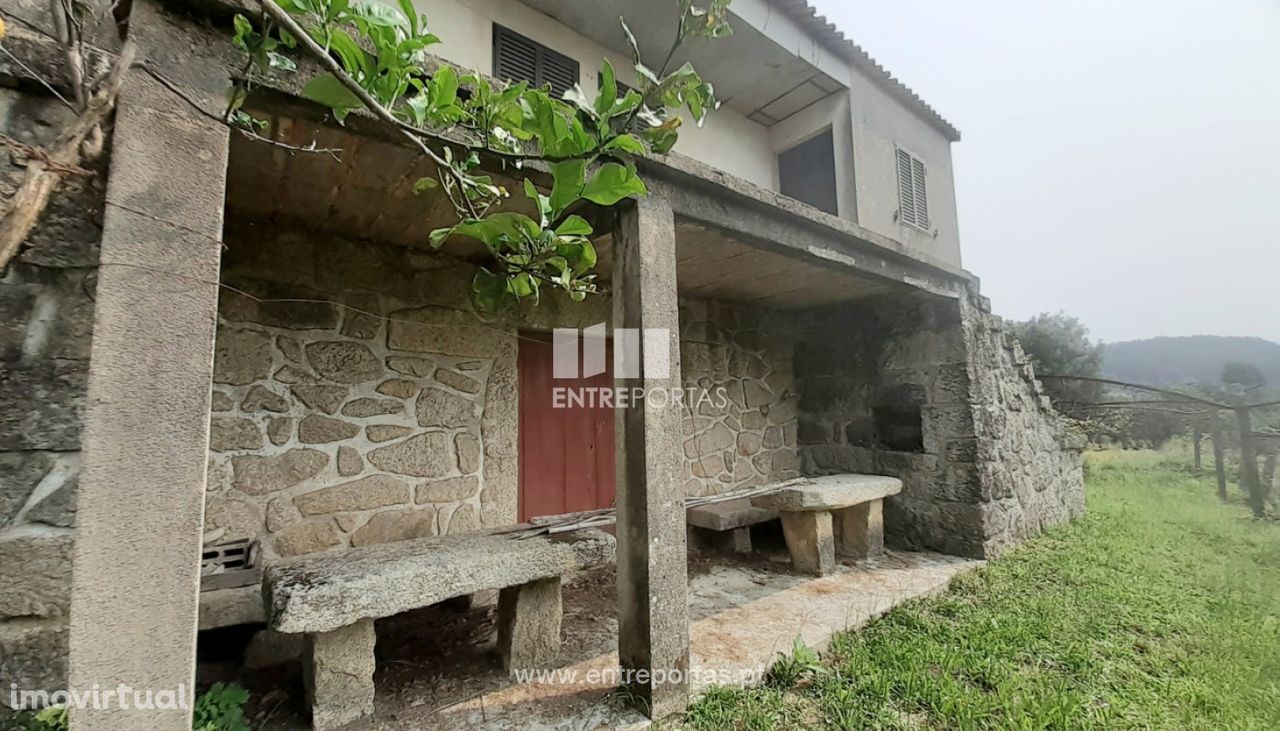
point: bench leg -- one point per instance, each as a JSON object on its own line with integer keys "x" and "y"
{"x": 860, "y": 530}
{"x": 703, "y": 540}
{"x": 810, "y": 541}
{"x": 529, "y": 624}
{"x": 338, "y": 674}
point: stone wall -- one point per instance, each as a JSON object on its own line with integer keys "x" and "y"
{"x": 46, "y": 324}
{"x": 931, "y": 391}
{"x": 377, "y": 405}
{"x": 1028, "y": 464}
{"x": 745, "y": 435}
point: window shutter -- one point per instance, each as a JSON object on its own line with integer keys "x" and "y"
{"x": 921, "y": 195}
{"x": 558, "y": 70}
{"x": 913, "y": 194}
{"x": 906, "y": 189}
{"x": 517, "y": 58}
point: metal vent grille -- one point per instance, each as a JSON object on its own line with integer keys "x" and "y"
{"x": 518, "y": 58}
{"x": 913, "y": 196}
{"x": 228, "y": 565}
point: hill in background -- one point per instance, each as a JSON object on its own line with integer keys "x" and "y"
{"x": 1187, "y": 359}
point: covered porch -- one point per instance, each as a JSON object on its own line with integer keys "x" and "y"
{"x": 359, "y": 399}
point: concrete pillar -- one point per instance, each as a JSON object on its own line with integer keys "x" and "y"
{"x": 136, "y": 568}
{"x": 653, "y": 615}
{"x": 337, "y": 672}
{"x": 529, "y": 617}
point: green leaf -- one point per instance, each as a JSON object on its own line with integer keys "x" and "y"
{"x": 244, "y": 31}
{"x": 444, "y": 87}
{"x": 568, "y": 178}
{"x": 574, "y": 225}
{"x": 541, "y": 201}
{"x": 377, "y": 14}
{"x": 611, "y": 183}
{"x": 608, "y": 93}
{"x": 406, "y": 7}
{"x": 488, "y": 290}
{"x": 280, "y": 62}
{"x": 424, "y": 184}
{"x": 354, "y": 59}
{"x": 624, "y": 143}
{"x": 329, "y": 91}
{"x": 631, "y": 40}
{"x": 439, "y": 236}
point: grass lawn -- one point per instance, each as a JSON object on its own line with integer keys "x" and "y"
{"x": 1159, "y": 609}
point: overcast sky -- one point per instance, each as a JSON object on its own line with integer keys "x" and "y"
{"x": 1120, "y": 160}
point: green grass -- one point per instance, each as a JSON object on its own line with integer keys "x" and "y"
{"x": 1160, "y": 609}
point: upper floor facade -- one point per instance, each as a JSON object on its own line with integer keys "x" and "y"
{"x": 805, "y": 112}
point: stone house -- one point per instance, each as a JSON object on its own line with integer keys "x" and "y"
{"x": 213, "y": 339}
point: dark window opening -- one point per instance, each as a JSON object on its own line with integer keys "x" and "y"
{"x": 898, "y": 422}
{"x": 518, "y": 58}
{"x": 807, "y": 172}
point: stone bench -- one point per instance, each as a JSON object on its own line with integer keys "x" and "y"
{"x": 823, "y": 517}
{"x": 333, "y": 599}
{"x": 725, "y": 525}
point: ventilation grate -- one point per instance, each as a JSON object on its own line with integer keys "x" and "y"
{"x": 229, "y": 565}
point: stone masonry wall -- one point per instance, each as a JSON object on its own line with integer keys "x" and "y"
{"x": 749, "y": 438}
{"x": 1028, "y": 465}
{"x": 393, "y": 417}
{"x": 46, "y": 325}
{"x": 924, "y": 389}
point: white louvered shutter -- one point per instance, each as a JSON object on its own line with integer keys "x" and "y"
{"x": 921, "y": 195}
{"x": 906, "y": 189}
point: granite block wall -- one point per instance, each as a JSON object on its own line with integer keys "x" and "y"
{"x": 46, "y": 328}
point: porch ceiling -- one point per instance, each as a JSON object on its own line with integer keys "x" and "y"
{"x": 366, "y": 192}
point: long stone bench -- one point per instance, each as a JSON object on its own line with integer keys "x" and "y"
{"x": 333, "y": 599}
{"x": 823, "y": 517}
{"x": 725, "y": 525}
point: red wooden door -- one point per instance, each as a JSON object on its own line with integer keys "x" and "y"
{"x": 566, "y": 453}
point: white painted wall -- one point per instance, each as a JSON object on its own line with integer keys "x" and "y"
{"x": 868, "y": 123}
{"x": 880, "y": 125}
{"x": 834, "y": 113}
{"x": 728, "y": 140}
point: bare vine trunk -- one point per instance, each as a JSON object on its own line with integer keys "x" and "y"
{"x": 1196, "y": 437}
{"x": 1219, "y": 457}
{"x": 1249, "y": 476}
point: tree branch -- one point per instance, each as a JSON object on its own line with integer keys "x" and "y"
{"x": 18, "y": 216}
{"x": 286, "y": 21}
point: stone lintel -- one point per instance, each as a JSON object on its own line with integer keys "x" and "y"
{"x": 653, "y": 617}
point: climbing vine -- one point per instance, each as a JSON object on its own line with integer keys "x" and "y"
{"x": 375, "y": 57}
